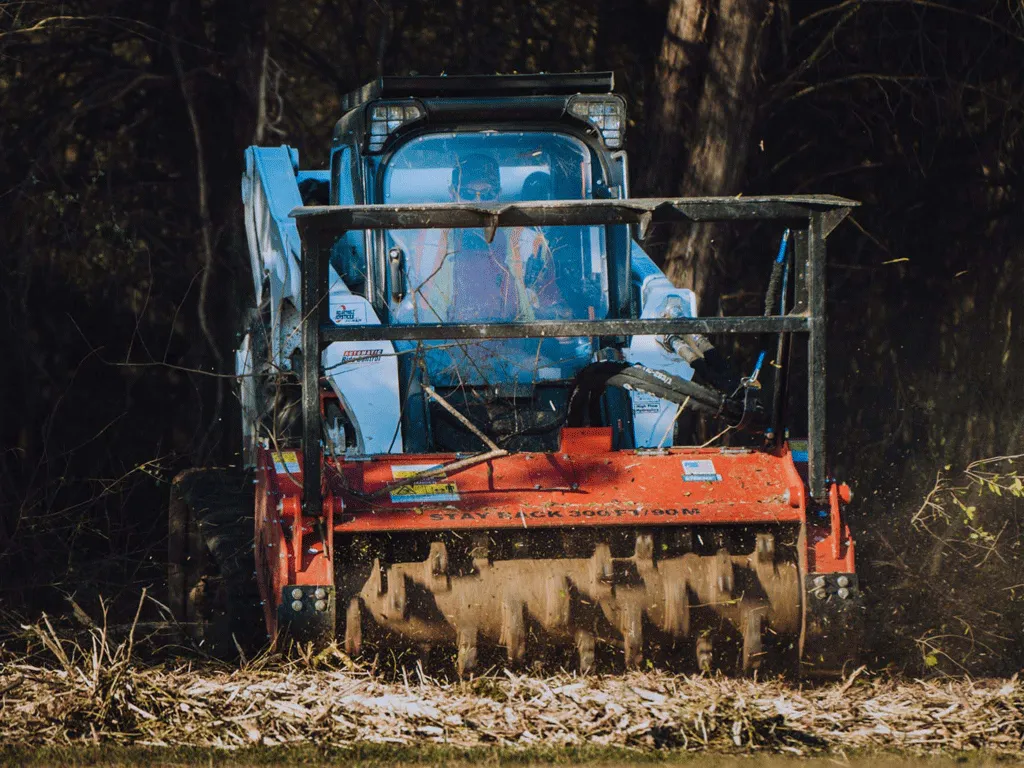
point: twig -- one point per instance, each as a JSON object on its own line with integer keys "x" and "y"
{"x": 720, "y": 434}
{"x": 679, "y": 410}
{"x": 462, "y": 419}
{"x": 441, "y": 471}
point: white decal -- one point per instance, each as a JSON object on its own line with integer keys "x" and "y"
{"x": 348, "y": 314}
{"x": 361, "y": 355}
{"x": 700, "y": 471}
{"x": 644, "y": 402}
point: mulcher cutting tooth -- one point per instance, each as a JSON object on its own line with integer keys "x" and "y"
{"x": 704, "y": 649}
{"x": 723, "y": 577}
{"x": 354, "y": 627}
{"x": 513, "y": 630}
{"x": 677, "y": 608}
{"x": 585, "y": 648}
{"x": 631, "y": 626}
{"x": 467, "y": 654}
{"x": 753, "y": 640}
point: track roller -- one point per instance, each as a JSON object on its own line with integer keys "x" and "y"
{"x": 212, "y": 589}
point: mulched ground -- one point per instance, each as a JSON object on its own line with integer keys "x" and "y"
{"x": 97, "y": 697}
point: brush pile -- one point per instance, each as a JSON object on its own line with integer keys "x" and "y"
{"x": 102, "y": 695}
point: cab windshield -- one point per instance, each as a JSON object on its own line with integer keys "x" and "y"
{"x": 523, "y": 274}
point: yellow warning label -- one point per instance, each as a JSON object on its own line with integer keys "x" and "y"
{"x": 286, "y": 462}
{"x": 430, "y": 489}
{"x": 420, "y": 489}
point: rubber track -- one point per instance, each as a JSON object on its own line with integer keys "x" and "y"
{"x": 221, "y": 503}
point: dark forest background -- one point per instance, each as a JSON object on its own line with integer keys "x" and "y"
{"x": 123, "y": 263}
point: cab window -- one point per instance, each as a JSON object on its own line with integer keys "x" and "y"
{"x": 524, "y": 273}
{"x": 348, "y": 256}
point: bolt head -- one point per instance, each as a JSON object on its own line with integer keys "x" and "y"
{"x": 843, "y": 592}
{"x": 821, "y": 594}
{"x": 819, "y": 582}
{"x": 320, "y": 593}
{"x": 296, "y": 605}
{"x": 843, "y": 581}
{"x": 320, "y": 605}
{"x": 296, "y": 594}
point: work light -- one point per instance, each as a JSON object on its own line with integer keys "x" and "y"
{"x": 606, "y": 113}
{"x": 386, "y": 117}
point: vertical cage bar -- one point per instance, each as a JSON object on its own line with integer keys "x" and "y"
{"x": 780, "y": 365}
{"x": 816, "y": 358}
{"x": 800, "y": 271}
{"x": 313, "y": 298}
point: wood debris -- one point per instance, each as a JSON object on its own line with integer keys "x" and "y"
{"x": 130, "y": 702}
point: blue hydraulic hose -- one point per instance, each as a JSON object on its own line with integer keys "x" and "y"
{"x": 782, "y": 247}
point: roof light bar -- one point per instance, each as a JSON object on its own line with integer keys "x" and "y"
{"x": 387, "y": 117}
{"x": 606, "y": 113}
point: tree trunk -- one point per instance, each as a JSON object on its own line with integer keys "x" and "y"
{"x": 721, "y": 136}
{"x": 670, "y": 111}
{"x": 220, "y": 68}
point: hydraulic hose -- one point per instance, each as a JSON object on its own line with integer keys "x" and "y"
{"x": 742, "y": 410}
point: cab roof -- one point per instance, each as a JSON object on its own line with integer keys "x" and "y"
{"x": 481, "y": 86}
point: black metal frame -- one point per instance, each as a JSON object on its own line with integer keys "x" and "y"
{"x": 477, "y": 86}
{"x": 811, "y": 217}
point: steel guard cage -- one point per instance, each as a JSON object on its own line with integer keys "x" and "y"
{"x": 811, "y": 219}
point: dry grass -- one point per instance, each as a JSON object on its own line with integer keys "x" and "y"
{"x": 96, "y": 693}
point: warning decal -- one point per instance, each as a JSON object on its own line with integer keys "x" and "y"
{"x": 286, "y": 463}
{"x": 433, "y": 489}
{"x": 645, "y": 403}
{"x": 700, "y": 471}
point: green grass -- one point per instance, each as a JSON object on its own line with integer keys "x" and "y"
{"x": 372, "y": 755}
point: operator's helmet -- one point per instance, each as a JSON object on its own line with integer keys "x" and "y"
{"x": 476, "y": 178}
{"x": 537, "y": 186}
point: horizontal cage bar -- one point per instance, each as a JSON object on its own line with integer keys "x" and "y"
{"x": 567, "y": 328}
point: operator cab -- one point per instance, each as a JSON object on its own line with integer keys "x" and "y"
{"x": 485, "y": 140}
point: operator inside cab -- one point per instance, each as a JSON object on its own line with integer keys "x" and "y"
{"x": 458, "y": 276}
{"x": 525, "y": 274}
{"x": 512, "y": 278}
